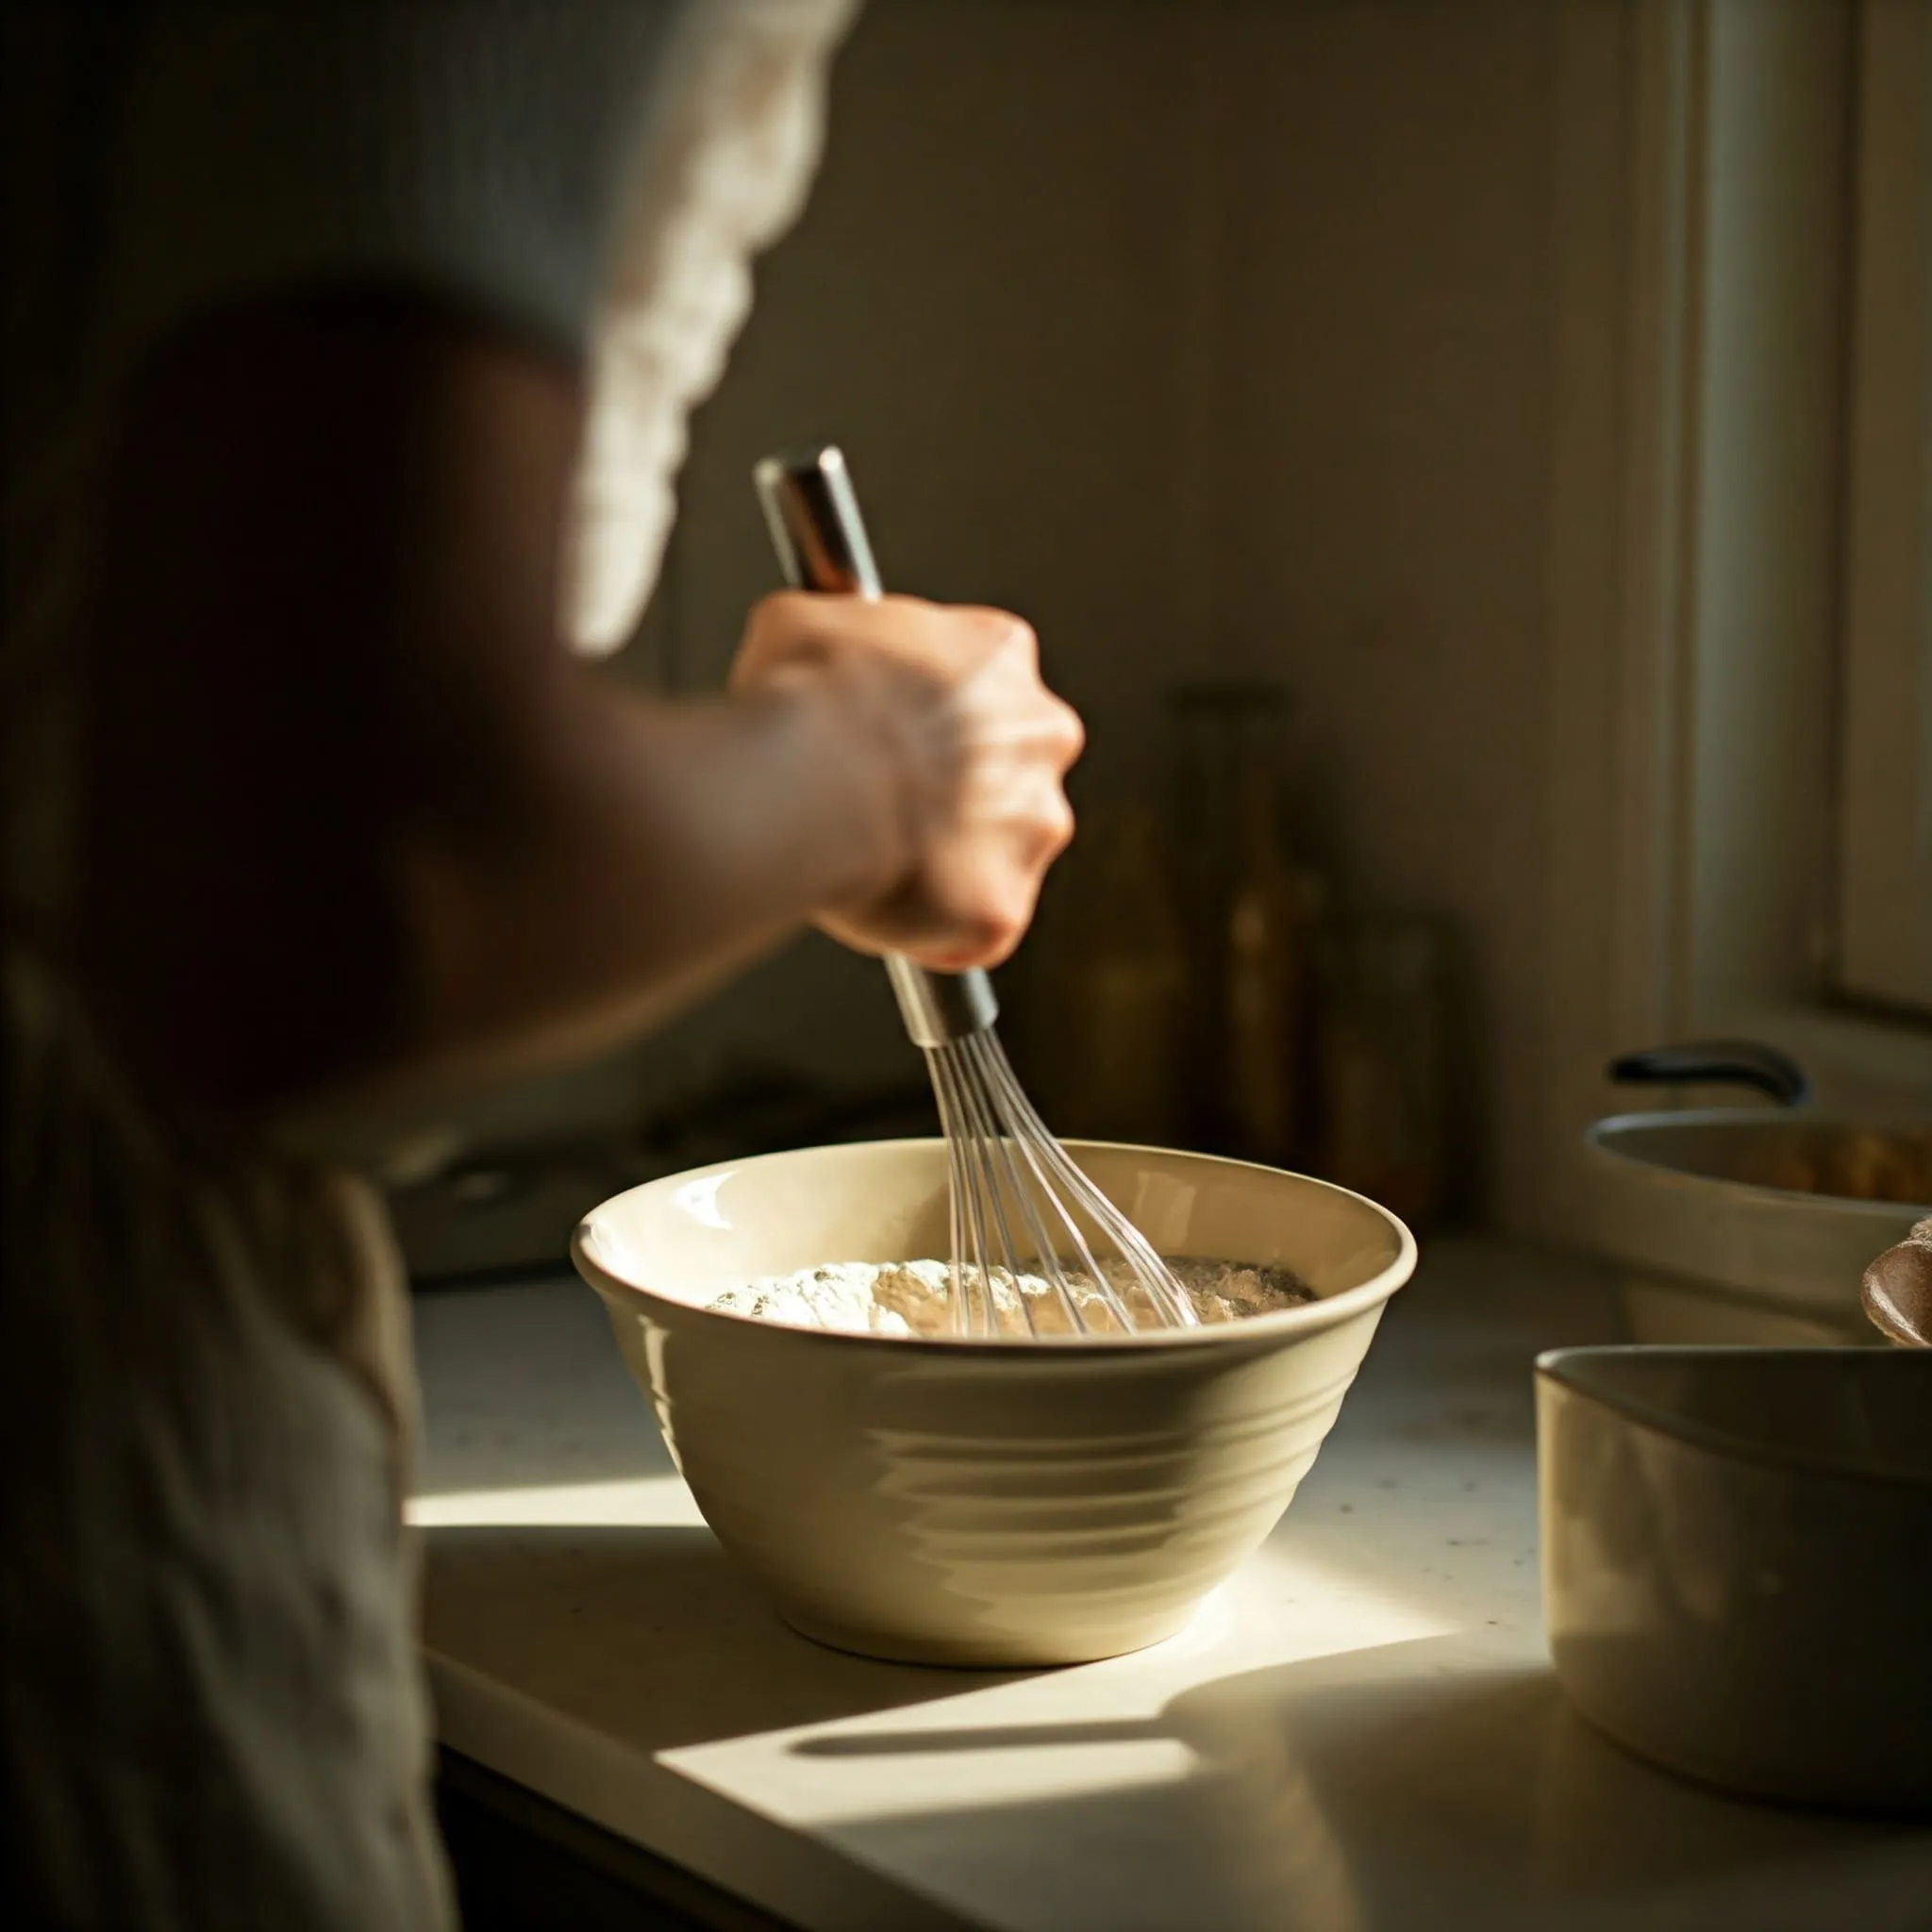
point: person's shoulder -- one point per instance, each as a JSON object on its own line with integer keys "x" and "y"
{"x": 472, "y": 151}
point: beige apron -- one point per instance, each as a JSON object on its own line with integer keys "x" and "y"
{"x": 212, "y": 1710}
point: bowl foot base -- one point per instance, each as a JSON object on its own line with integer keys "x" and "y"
{"x": 991, "y": 1652}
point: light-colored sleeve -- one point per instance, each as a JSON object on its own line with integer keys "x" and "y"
{"x": 596, "y": 173}
{"x": 474, "y": 150}
{"x": 725, "y": 157}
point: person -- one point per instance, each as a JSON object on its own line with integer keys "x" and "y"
{"x": 345, "y": 384}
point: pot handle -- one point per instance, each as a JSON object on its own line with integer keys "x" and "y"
{"x": 1718, "y": 1063}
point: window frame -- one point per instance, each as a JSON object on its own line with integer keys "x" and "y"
{"x": 1884, "y": 924}
{"x": 1702, "y": 568}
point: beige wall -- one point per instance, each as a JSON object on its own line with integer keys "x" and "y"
{"x": 1386, "y": 446}
{"x": 1212, "y": 337}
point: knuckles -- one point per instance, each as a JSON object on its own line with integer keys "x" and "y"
{"x": 990, "y": 939}
{"x": 1058, "y": 828}
{"x": 1017, "y": 636}
{"x": 994, "y": 830}
{"x": 1070, "y": 732}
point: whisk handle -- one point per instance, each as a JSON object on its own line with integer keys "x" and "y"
{"x": 812, "y": 512}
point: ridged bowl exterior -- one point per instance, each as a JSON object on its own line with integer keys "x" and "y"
{"x": 986, "y": 1503}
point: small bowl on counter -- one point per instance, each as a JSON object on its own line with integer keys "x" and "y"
{"x": 1750, "y": 1224}
{"x": 1737, "y": 1544}
{"x": 997, "y": 1502}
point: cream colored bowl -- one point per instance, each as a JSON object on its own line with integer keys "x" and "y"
{"x": 986, "y": 1501}
{"x": 1735, "y": 1236}
{"x": 1737, "y": 1544}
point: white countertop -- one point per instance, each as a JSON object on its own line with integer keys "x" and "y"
{"x": 1360, "y": 1733}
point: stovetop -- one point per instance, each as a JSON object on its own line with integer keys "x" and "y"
{"x": 508, "y": 1212}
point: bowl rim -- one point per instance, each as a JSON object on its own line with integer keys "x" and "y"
{"x": 1559, "y": 1366}
{"x": 1324, "y": 1312}
{"x": 1596, "y": 1137}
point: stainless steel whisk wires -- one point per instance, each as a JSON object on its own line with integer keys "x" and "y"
{"x": 1014, "y": 1189}
{"x": 1011, "y": 1184}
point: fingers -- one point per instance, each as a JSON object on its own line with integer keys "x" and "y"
{"x": 945, "y": 641}
{"x": 973, "y": 906}
{"x": 1067, "y": 737}
{"x": 982, "y": 747}
{"x": 814, "y": 625}
{"x": 941, "y": 940}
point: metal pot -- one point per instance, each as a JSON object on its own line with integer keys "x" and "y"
{"x": 1750, "y": 1224}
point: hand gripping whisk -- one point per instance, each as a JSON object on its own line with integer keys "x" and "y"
{"x": 1036, "y": 1245}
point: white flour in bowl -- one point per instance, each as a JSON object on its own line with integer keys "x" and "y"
{"x": 913, "y": 1297}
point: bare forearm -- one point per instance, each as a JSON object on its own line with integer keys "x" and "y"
{"x": 357, "y": 831}
{"x": 354, "y": 820}
{"x": 647, "y": 849}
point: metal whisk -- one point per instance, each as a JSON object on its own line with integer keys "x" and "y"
{"x": 1019, "y": 1205}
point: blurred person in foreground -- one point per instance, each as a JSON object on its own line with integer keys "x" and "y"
{"x": 349, "y": 349}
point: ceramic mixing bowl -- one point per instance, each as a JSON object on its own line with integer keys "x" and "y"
{"x": 1736, "y": 1225}
{"x": 1735, "y": 1546}
{"x": 986, "y": 1501}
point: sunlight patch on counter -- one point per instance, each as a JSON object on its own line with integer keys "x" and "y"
{"x": 651, "y": 1500}
{"x": 1056, "y": 1736}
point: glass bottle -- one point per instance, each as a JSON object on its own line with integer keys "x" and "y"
{"x": 1265, "y": 983}
{"x": 1125, "y": 984}
{"x": 1382, "y": 1065}
{"x": 1251, "y": 910}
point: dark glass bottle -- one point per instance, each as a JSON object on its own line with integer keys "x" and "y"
{"x": 1251, "y": 911}
{"x": 1382, "y": 1064}
{"x": 1120, "y": 1045}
